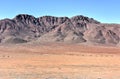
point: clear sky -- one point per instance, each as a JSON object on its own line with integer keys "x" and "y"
{"x": 107, "y": 11}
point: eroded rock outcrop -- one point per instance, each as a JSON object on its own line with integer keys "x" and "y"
{"x": 78, "y": 29}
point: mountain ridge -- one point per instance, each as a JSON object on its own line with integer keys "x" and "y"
{"x": 25, "y": 28}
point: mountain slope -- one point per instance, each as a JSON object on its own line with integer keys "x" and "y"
{"x": 78, "y": 29}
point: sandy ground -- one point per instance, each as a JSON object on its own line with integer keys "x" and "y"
{"x": 59, "y": 61}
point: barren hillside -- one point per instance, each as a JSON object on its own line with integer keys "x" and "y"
{"x": 78, "y": 29}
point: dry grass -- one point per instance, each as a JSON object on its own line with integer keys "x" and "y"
{"x": 59, "y": 62}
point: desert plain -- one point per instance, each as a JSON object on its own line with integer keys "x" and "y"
{"x": 59, "y": 61}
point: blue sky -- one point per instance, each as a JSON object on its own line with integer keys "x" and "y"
{"x": 106, "y": 11}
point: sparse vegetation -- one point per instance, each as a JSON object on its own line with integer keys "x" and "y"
{"x": 58, "y": 62}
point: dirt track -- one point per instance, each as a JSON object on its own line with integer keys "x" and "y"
{"x": 59, "y": 62}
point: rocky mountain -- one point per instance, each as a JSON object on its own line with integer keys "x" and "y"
{"x": 78, "y": 29}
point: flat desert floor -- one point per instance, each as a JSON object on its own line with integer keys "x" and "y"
{"x": 59, "y": 61}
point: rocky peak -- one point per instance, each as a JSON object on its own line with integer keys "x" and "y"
{"x": 27, "y": 19}
{"x": 81, "y": 18}
{"x": 52, "y": 20}
{"x": 24, "y": 16}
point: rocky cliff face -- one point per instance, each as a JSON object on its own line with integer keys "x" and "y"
{"x": 78, "y": 29}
